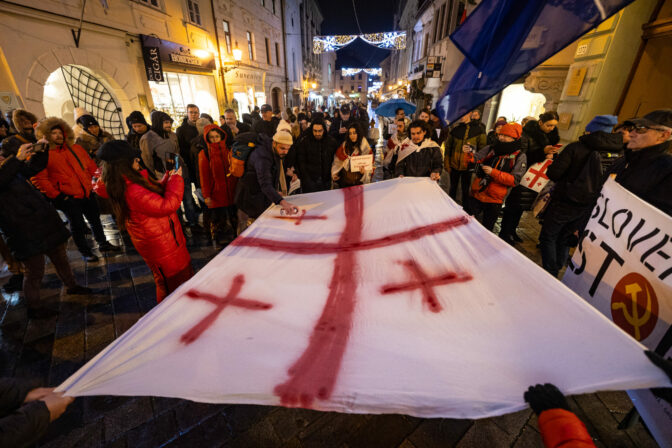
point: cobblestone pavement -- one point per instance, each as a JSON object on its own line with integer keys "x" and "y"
{"x": 51, "y": 349}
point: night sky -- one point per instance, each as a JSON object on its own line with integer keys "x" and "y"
{"x": 374, "y": 16}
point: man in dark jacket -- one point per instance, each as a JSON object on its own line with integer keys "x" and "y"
{"x": 266, "y": 125}
{"x": 232, "y": 122}
{"x": 31, "y": 226}
{"x": 314, "y": 157}
{"x": 25, "y": 411}
{"x": 646, "y": 168}
{"x": 573, "y": 198}
{"x": 418, "y": 156}
{"x": 138, "y": 126}
{"x": 264, "y": 182}
{"x": 339, "y": 128}
{"x": 24, "y": 121}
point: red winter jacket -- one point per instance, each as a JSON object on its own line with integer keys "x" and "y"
{"x": 69, "y": 171}
{"x": 563, "y": 429}
{"x": 216, "y": 183}
{"x": 506, "y": 173}
{"x": 153, "y": 224}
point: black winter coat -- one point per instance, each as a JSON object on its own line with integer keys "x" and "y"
{"x": 421, "y": 163}
{"x": 338, "y": 123}
{"x": 569, "y": 164}
{"x": 29, "y": 222}
{"x": 648, "y": 174}
{"x": 20, "y": 424}
{"x": 265, "y": 127}
{"x": 313, "y": 161}
{"x": 185, "y": 134}
{"x": 258, "y": 188}
{"x": 11, "y": 144}
{"x": 532, "y": 144}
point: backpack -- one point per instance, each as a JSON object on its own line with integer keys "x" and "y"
{"x": 243, "y": 145}
{"x": 587, "y": 185}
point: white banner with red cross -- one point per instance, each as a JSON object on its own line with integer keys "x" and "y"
{"x": 535, "y": 178}
{"x": 383, "y": 298}
{"x": 623, "y": 267}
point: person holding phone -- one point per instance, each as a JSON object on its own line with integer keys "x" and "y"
{"x": 147, "y": 210}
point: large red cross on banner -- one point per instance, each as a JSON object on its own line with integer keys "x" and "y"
{"x": 539, "y": 174}
{"x": 314, "y": 373}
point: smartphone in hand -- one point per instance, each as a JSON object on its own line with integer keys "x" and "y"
{"x": 172, "y": 161}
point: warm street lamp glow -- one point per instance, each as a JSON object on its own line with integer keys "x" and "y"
{"x": 237, "y": 54}
{"x": 202, "y": 54}
{"x": 398, "y": 82}
{"x": 313, "y": 85}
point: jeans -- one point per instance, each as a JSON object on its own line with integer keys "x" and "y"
{"x": 34, "y": 271}
{"x": 490, "y": 212}
{"x": 462, "y": 178}
{"x": 510, "y": 220}
{"x": 76, "y": 210}
{"x": 561, "y": 220}
{"x": 188, "y": 200}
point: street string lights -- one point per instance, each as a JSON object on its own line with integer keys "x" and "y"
{"x": 354, "y": 71}
{"x": 394, "y": 40}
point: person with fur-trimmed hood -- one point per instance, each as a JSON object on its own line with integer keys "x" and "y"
{"x": 4, "y": 129}
{"x": 354, "y": 145}
{"x": 24, "y": 122}
{"x": 88, "y": 133}
{"x": 419, "y": 155}
{"x": 67, "y": 181}
{"x": 217, "y": 186}
{"x": 500, "y": 168}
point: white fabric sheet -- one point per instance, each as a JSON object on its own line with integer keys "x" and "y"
{"x": 462, "y": 349}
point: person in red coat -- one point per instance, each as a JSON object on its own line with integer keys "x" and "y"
{"x": 147, "y": 209}
{"x": 66, "y": 181}
{"x": 217, "y": 185}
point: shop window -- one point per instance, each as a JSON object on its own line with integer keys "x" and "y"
{"x": 277, "y": 54}
{"x": 180, "y": 89}
{"x": 250, "y": 46}
{"x": 227, "y": 36}
{"x": 194, "y": 12}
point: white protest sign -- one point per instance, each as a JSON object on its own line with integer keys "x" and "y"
{"x": 624, "y": 269}
{"x": 359, "y": 162}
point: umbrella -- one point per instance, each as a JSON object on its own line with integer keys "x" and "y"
{"x": 388, "y": 108}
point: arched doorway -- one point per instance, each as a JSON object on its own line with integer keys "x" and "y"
{"x": 276, "y": 98}
{"x": 73, "y": 86}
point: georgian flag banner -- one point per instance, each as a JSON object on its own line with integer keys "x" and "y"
{"x": 385, "y": 298}
{"x": 535, "y": 178}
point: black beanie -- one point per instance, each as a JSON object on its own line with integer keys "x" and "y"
{"x": 137, "y": 117}
{"x": 117, "y": 150}
{"x": 87, "y": 120}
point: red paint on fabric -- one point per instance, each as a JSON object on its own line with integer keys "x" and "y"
{"x": 221, "y": 303}
{"x": 309, "y": 248}
{"x": 314, "y": 374}
{"x": 300, "y": 218}
{"x": 425, "y": 283}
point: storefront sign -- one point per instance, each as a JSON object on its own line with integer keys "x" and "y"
{"x": 433, "y": 67}
{"x": 152, "y": 56}
{"x": 155, "y": 51}
{"x": 247, "y": 76}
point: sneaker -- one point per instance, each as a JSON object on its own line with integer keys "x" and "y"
{"x": 106, "y": 246}
{"x": 90, "y": 258}
{"x": 79, "y": 290}
{"x": 14, "y": 284}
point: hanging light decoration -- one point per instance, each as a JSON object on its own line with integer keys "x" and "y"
{"x": 395, "y": 40}
{"x": 354, "y": 71}
{"x": 323, "y": 44}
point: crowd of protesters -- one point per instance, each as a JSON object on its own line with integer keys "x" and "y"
{"x": 157, "y": 181}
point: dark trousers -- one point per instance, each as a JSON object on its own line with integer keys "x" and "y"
{"x": 561, "y": 220}
{"x": 165, "y": 285}
{"x": 489, "y": 212}
{"x": 223, "y": 223}
{"x": 463, "y": 179}
{"x": 510, "y": 220}
{"x": 76, "y": 210}
{"x": 34, "y": 271}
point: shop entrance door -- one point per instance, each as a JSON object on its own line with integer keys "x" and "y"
{"x": 243, "y": 104}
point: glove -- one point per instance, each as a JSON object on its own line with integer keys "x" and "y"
{"x": 666, "y": 366}
{"x": 542, "y": 398}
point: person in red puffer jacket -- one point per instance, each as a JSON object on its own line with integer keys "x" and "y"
{"x": 147, "y": 209}
{"x": 217, "y": 185}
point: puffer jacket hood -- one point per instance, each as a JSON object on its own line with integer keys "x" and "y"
{"x": 212, "y": 127}
{"x": 22, "y": 113}
{"x": 45, "y": 126}
{"x": 158, "y": 117}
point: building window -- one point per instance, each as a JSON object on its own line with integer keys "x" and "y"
{"x": 250, "y": 47}
{"x": 263, "y": 3}
{"x": 154, "y": 3}
{"x": 360, "y": 77}
{"x": 448, "y": 19}
{"x": 461, "y": 14}
{"x": 227, "y": 36}
{"x": 274, "y": 11}
{"x": 352, "y": 88}
{"x": 277, "y": 54}
{"x": 293, "y": 66}
{"x": 359, "y": 88}
{"x": 194, "y": 12}
{"x": 439, "y": 28}
{"x": 268, "y": 52}
{"x": 329, "y": 71}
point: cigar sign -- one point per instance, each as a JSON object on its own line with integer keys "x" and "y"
{"x": 156, "y": 51}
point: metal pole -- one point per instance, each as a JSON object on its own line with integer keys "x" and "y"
{"x": 222, "y": 73}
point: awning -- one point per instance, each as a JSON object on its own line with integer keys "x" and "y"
{"x": 504, "y": 39}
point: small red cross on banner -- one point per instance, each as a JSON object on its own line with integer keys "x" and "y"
{"x": 538, "y": 174}
{"x": 221, "y": 303}
{"x": 425, "y": 283}
{"x": 300, "y": 217}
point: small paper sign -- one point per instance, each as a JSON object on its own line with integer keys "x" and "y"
{"x": 359, "y": 162}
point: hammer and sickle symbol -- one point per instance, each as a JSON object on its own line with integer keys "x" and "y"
{"x": 634, "y": 319}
